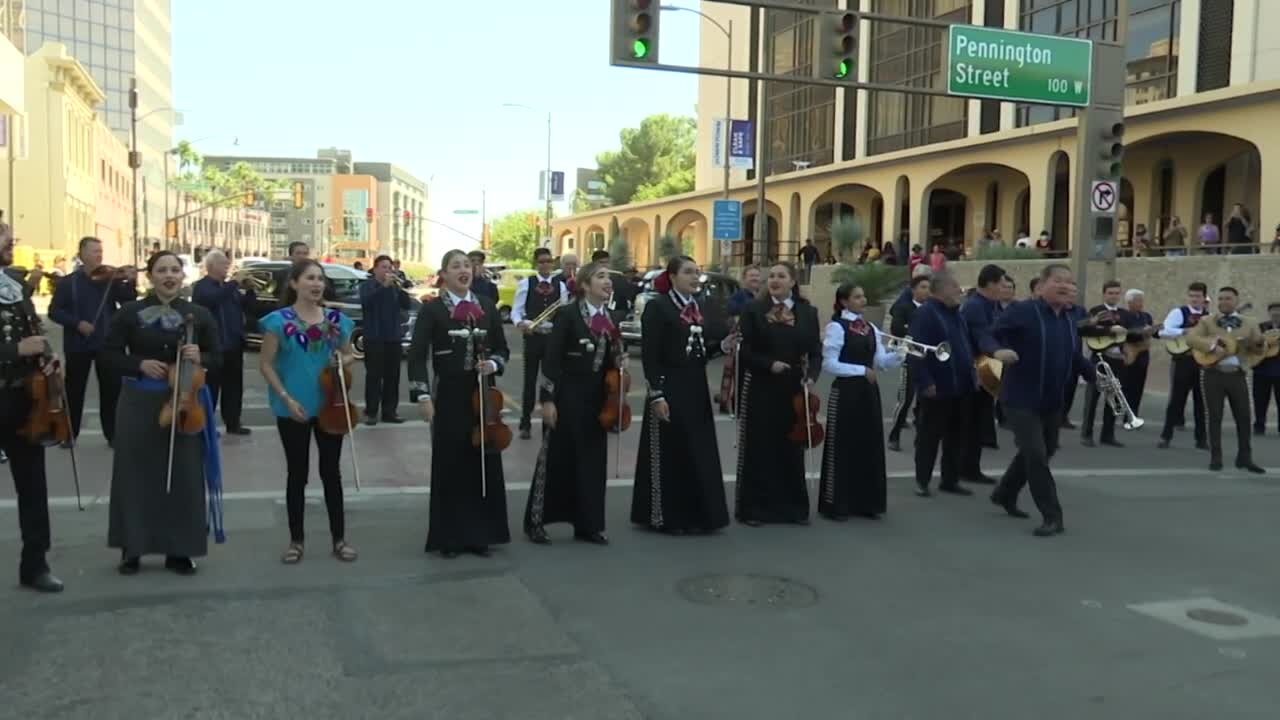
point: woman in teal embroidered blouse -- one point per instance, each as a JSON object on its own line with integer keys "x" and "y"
{"x": 298, "y": 342}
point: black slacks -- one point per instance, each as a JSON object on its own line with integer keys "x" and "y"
{"x": 535, "y": 348}
{"x": 906, "y": 404}
{"x": 1092, "y": 396}
{"x": 945, "y": 422}
{"x": 26, "y": 463}
{"x": 77, "y": 368}
{"x": 1036, "y": 435}
{"x": 227, "y": 385}
{"x": 1233, "y": 387}
{"x": 982, "y": 432}
{"x": 1186, "y": 379}
{"x": 1264, "y": 388}
{"x": 296, "y": 439}
{"x": 1134, "y": 381}
{"x": 382, "y": 377}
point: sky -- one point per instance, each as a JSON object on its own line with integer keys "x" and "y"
{"x": 422, "y": 84}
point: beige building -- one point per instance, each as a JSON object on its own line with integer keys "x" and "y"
{"x": 238, "y": 231}
{"x": 403, "y": 199}
{"x": 56, "y": 185}
{"x": 13, "y": 103}
{"x": 1203, "y": 86}
{"x": 113, "y": 210}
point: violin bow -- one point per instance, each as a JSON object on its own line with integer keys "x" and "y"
{"x": 71, "y": 439}
{"x": 173, "y": 420}
{"x": 622, "y": 376}
{"x": 351, "y": 431}
{"x": 481, "y": 359}
{"x": 808, "y": 429}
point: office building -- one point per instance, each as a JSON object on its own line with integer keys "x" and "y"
{"x": 404, "y": 199}
{"x": 306, "y": 213}
{"x": 1202, "y": 86}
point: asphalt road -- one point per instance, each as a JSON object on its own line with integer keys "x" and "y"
{"x": 1160, "y": 601}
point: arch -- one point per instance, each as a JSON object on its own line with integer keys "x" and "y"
{"x": 691, "y": 227}
{"x": 594, "y": 239}
{"x": 639, "y": 238}
{"x": 898, "y": 229}
{"x": 861, "y": 202}
{"x": 747, "y": 250}
{"x": 961, "y": 204}
{"x": 566, "y": 242}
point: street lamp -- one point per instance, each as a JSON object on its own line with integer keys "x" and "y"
{"x": 728, "y": 84}
{"x": 547, "y": 182}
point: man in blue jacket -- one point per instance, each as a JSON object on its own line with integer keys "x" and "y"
{"x": 1041, "y": 350}
{"x": 226, "y": 301}
{"x": 84, "y": 308}
{"x": 381, "y": 299}
{"x": 944, "y": 387}
{"x": 979, "y": 312}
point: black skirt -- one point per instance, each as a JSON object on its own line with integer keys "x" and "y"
{"x": 771, "y": 482}
{"x": 569, "y": 476}
{"x": 464, "y": 512}
{"x": 853, "y": 467}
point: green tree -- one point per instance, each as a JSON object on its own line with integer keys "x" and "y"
{"x": 619, "y": 253}
{"x": 579, "y": 202}
{"x": 656, "y": 159}
{"x": 514, "y": 236}
{"x": 209, "y": 185}
{"x": 669, "y": 246}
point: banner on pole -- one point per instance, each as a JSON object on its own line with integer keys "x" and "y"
{"x": 742, "y": 143}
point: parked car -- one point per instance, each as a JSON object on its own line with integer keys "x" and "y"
{"x": 346, "y": 282}
{"x": 713, "y": 298}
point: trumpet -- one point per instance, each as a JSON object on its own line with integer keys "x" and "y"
{"x": 545, "y": 315}
{"x": 907, "y": 346}
{"x": 1110, "y": 388}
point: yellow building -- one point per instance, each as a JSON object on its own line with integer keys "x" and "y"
{"x": 56, "y": 185}
{"x": 113, "y": 213}
{"x": 1203, "y": 87}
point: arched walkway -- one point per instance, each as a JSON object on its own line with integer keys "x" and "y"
{"x": 567, "y": 242}
{"x": 594, "y": 239}
{"x": 847, "y": 201}
{"x": 691, "y": 228}
{"x": 965, "y": 204}
{"x": 639, "y": 241}
{"x": 748, "y": 251}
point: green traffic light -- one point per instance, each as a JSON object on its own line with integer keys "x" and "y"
{"x": 640, "y": 49}
{"x": 843, "y": 69}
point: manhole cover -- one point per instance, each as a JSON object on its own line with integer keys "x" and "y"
{"x": 1217, "y": 617}
{"x": 747, "y": 591}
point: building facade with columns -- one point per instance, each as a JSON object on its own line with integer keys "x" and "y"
{"x": 1203, "y": 89}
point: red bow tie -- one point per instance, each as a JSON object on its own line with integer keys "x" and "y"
{"x": 467, "y": 311}
{"x": 544, "y": 287}
{"x": 601, "y": 324}
{"x": 691, "y": 315}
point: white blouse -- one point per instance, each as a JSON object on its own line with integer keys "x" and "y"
{"x": 833, "y": 344}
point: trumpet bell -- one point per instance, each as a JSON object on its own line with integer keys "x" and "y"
{"x": 943, "y": 352}
{"x": 1135, "y": 423}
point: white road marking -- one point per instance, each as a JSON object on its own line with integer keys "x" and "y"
{"x": 377, "y": 491}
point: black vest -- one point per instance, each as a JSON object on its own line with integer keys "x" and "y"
{"x": 858, "y": 349}
{"x": 538, "y": 300}
{"x": 1189, "y": 319}
{"x": 17, "y": 321}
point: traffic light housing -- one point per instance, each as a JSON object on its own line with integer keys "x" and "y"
{"x": 837, "y": 47}
{"x": 1111, "y": 148}
{"x": 407, "y": 216}
{"x": 299, "y": 197}
{"x": 368, "y": 214}
{"x": 635, "y": 32}
{"x": 249, "y": 198}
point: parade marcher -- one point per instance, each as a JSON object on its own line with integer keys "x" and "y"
{"x": 568, "y": 272}
{"x": 781, "y": 353}
{"x": 1227, "y": 379}
{"x": 480, "y": 283}
{"x": 1110, "y": 322}
{"x": 901, "y": 315}
{"x": 1186, "y": 373}
{"x": 226, "y": 301}
{"x": 1040, "y": 347}
{"x": 731, "y": 374}
{"x": 1266, "y": 376}
{"x": 458, "y": 336}
{"x": 534, "y": 296}
{"x": 1078, "y": 315}
{"x": 678, "y": 487}
{"x": 569, "y": 476}
{"x": 853, "y": 479}
{"x": 1141, "y": 329}
{"x": 299, "y": 341}
{"x": 299, "y": 250}
{"x": 382, "y": 298}
{"x": 84, "y": 303}
{"x": 21, "y": 345}
{"x": 980, "y": 312}
{"x": 151, "y": 513}
{"x": 945, "y": 388}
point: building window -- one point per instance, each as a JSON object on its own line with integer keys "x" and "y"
{"x": 913, "y": 57}
{"x": 1151, "y": 51}
{"x": 801, "y": 117}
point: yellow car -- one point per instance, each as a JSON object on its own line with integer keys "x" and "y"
{"x": 507, "y": 280}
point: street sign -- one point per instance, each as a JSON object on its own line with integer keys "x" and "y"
{"x": 1010, "y": 65}
{"x": 1103, "y": 196}
{"x": 726, "y": 220}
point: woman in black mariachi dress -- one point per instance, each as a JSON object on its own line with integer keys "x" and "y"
{"x": 781, "y": 353}
{"x": 853, "y": 469}
{"x": 679, "y": 487}
{"x": 569, "y": 476}
{"x": 463, "y": 518}
{"x": 146, "y": 518}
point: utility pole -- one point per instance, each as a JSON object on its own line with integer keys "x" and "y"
{"x": 10, "y": 137}
{"x": 547, "y": 242}
{"x": 135, "y": 161}
{"x": 728, "y": 111}
{"x": 760, "y": 243}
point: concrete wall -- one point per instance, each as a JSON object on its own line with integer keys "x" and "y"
{"x": 1164, "y": 280}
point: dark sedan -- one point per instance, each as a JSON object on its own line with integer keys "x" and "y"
{"x": 346, "y": 282}
{"x": 713, "y": 298}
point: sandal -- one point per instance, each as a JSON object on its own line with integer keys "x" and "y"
{"x": 292, "y": 555}
{"x": 344, "y": 552}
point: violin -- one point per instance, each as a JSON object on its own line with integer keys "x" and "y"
{"x": 337, "y": 414}
{"x": 490, "y": 434}
{"x": 108, "y": 272}
{"x": 186, "y": 378}
{"x": 48, "y": 423}
{"x": 615, "y": 414}
{"x": 807, "y": 432}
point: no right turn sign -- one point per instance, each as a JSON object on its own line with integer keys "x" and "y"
{"x": 1103, "y": 197}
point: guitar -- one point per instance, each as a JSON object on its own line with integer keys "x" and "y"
{"x": 1269, "y": 348}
